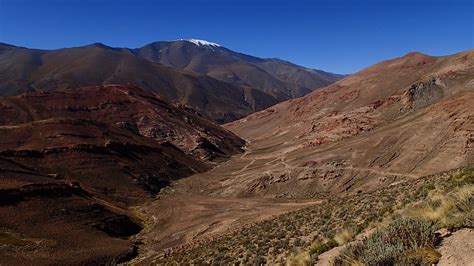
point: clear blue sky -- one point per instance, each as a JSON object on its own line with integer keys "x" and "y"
{"x": 338, "y": 36}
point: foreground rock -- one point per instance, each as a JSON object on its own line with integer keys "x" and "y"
{"x": 458, "y": 249}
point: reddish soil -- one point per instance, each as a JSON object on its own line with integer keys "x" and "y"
{"x": 73, "y": 162}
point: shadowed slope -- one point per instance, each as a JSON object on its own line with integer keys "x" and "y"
{"x": 28, "y": 69}
{"x": 72, "y": 162}
{"x": 211, "y": 93}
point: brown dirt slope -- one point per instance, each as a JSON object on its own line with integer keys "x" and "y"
{"x": 50, "y": 220}
{"x": 398, "y": 119}
{"x": 72, "y": 162}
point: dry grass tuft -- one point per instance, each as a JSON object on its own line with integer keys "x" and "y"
{"x": 12, "y": 239}
{"x": 345, "y": 235}
{"x": 449, "y": 205}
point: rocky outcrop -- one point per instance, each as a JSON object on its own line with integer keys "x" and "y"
{"x": 423, "y": 93}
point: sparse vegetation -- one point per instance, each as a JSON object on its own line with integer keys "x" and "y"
{"x": 10, "y": 238}
{"x": 303, "y": 235}
{"x": 449, "y": 204}
{"x": 412, "y": 211}
{"x": 410, "y": 239}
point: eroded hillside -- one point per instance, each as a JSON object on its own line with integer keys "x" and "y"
{"x": 73, "y": 162}
{"x": 385, "y": 126}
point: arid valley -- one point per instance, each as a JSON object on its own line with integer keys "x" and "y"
{"x": 187, "y": 152}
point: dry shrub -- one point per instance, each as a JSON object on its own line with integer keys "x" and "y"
{"x": 421, "y": 256}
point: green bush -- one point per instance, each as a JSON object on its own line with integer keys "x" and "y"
{"x": 412, "y": 232}
{"x": 320, "y": 248}
{"x": 390, "y": 245}
{"x": 462, "y": 178}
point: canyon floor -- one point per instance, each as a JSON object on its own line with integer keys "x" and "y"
{"x": 198, "y": 209}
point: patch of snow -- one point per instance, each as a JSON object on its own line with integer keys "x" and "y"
{"x": 201, "y": 42}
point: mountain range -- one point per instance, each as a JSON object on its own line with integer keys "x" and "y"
{"x": 185, "y": 152}
{"x": 221, "y": 84}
